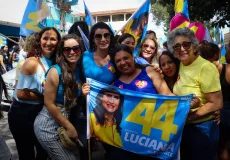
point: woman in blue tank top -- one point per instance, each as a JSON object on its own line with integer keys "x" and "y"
{"x": 28, "y": 95}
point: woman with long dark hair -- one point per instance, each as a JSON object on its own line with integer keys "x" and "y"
{"x": 62, "y": 89}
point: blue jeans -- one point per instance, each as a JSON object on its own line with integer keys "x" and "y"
{"x": 199, "y": 141}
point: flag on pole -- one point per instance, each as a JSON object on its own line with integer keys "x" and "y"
{"x": 223, "y": 49}
{"x": 29, "y": 21}
{"x": 88, "y": 17}
{"x": 181, "y": 6}
{"x": 43, "y": 10}
{"x": 3, "y": 41}
{"x": 136, "y": 25}
{"x": 84, "y": 38}
{"x": 207, "y": 36}
{"x": 217, "y": 35}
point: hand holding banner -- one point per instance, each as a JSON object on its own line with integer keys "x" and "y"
{"x": 145, "y": 124}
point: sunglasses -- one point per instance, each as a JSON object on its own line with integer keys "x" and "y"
{"x": 185, "y": 45}
{"x": 76, "y": 49}
{"x": 147, "y": 46}
{"x": 99, "y": 36}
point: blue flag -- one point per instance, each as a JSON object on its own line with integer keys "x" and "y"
{"x": 84, "y": 38}
{"x": 88, "y": 17}
{"x": 136, "y": 25}
{"x": 181, "y": 6}
{"x": 142, "y": 123}
{"x": 3, "y": 41}
{"x": 29, "y": 21}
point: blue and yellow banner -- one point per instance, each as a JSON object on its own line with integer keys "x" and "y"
{"x": 136, "y": 25}
{"x": 3, "y": 41}
{"x": 141, "y": 123}
{"x": 88, "y": 17}
{"x": 181, "y": 6}
{"x": 29, "y": 21}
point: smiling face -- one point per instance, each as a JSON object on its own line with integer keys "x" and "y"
{"x": 72, "y": 51}
{"x": 129, "y": 42}
{"x": 102, "y": 39}
{"x": 110, "y": 102}
{"x": 148, "y": 50}
{"x": 49, "y": 41}
{"x": 184, "y": 51}
{"x": 124, "y": 62}
{"x": 168, "y": 66}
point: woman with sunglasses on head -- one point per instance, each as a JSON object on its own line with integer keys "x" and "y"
{"x": 28, "y": 94}
{"x": 200, "y": 77}
{"x": 148, "y": 51}
{"x": 96, "y": 61}
{"x": 60, "y": 95}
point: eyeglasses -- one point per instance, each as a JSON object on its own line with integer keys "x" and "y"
{"x": 185, "y": 45}
{"x": 147, "y": 46}
{"x": 76, "y": 49}
{"x": 99, "y": 36}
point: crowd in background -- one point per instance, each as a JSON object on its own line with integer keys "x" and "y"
{"x": 51, "y": 86}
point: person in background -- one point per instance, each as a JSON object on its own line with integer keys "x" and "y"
{"x": 15, "y": 56}
{"x": 151, "y": 34}
{"x": 165, "y": 46}
{"x": 30, "y": 39}
{"x": 128, "y": 40}
{"x": 2, "y": 65}
{"x": 170, "y": 68}
{"x": 211, "y": 52}
{"x": 6, "y": 56}
{"x": 60, "y": 96}
{"x": 28, "y": 97}
{"x": 196, "y": 76}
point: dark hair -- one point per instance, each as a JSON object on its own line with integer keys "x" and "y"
{"x": 175, "y": 61}
{"x": 165, "y": 44}
{"x": 74, "y": 29}
{"x": 100, "y": 25}
{"x": 70, "y": 87}
{"x": 117, "y": 48}
{"x": 16, "y": 49}
{"x": 99, "y": 109}
{"x": 151, "y": 32}
{"x": 123, "y": 37}
{"x": 2, "y": 89}
{"x": 141, "y": 45}
{"x": 208, "y": 50}
{"x": 35, "y": 49}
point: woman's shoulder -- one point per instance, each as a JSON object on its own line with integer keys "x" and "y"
{"x": 30, "y": 66}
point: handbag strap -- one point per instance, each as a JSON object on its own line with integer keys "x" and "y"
{"x": 43, "y": 68}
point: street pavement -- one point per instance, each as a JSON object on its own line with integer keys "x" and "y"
{"x": 6, "y": 134}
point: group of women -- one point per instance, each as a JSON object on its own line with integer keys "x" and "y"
{"x": 38, "y": 110}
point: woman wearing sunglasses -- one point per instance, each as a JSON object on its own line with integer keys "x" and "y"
{"x": 148, "y": 51}
{"x": 196, "y": 76}
{"x": 60, "y": 95}
{"x": 96, "y": 61}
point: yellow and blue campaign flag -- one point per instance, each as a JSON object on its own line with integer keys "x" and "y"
{"x": 42, "y": 10}
{"x": 3, "y": 41}
{"x": 223, "y": 49}
{"x": 142, "y": 123}
{"x": 29, "y": 21}
{"x": 136, "y": 25}
{"x": 217, "y": 35}
{"x": 88, "y": 17}
{"x": 181, "y": 6}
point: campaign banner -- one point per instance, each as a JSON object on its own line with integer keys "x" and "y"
{"x": 142, "y": 123}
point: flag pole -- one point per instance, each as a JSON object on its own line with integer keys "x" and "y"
{"x": 8, "y": 38}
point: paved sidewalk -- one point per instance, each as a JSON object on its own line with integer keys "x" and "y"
{"x": 6, "y": 134}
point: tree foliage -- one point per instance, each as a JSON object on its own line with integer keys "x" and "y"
{"x": 213, "y": 13}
